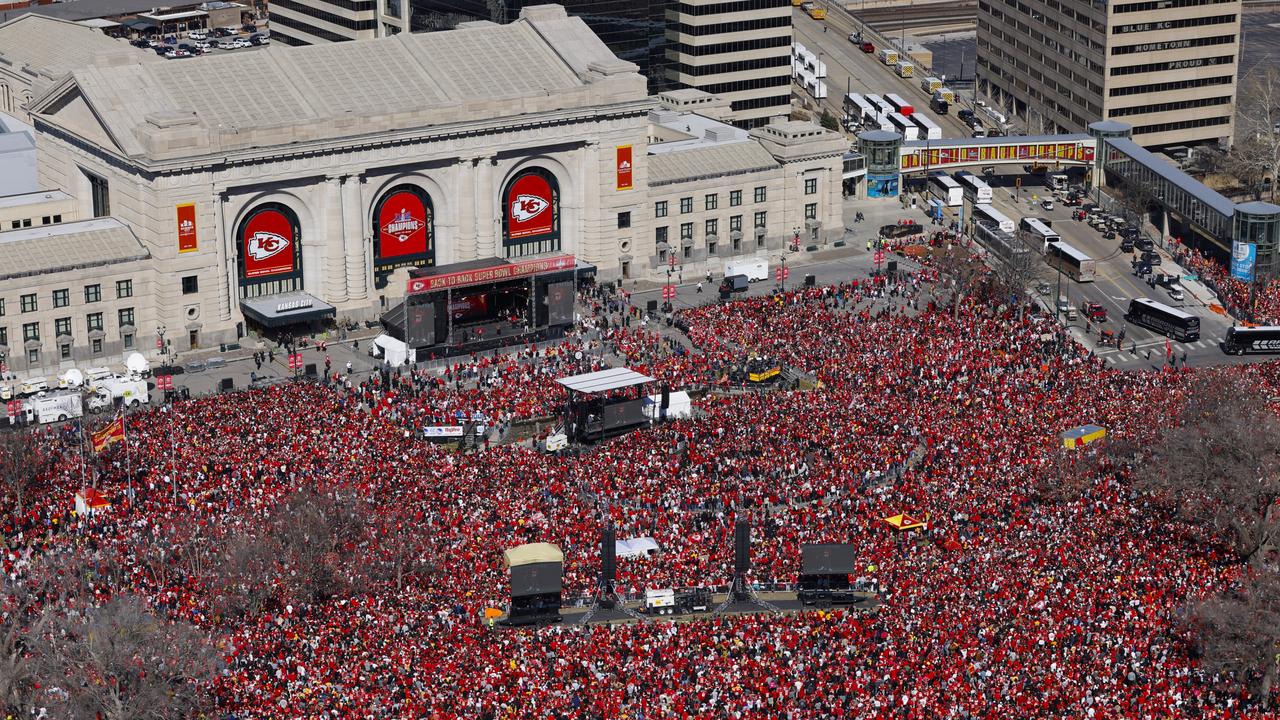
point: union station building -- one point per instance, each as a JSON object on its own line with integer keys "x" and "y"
{"x": 243, "y": 193}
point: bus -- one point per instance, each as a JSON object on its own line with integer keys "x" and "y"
{"x": 879, "y": 104}
{"x": 1037, "y": 234}
{"x": 904, "y": 126}
{"x": 1256, "y": 339}
{"x": 976, "y": 189}
{"x": 1071, "y": 262}
{"x": 1168, "y": 321}
{"x": 928, "y": 128}
{"x": 946, "y": 189}
{"x": 988, "y": 215}
{"x": 902, "y": 106}
{"x": 859, "y": 110}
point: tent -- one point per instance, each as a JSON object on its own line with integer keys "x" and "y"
{"x": 679, "y": 406}
{"x": 89, "y": 501}
{"x": 1078, "y": 437}
{"x": 903, "y": 521}
{"x": 531, "y": 553}
{"x": 633, "y": 548}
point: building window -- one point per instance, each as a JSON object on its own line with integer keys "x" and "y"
{"x": 760, "y": 219}
{"x": 811, "y": 186}
{"x": 686, "y": 231}
{"x": 92, "y": 293}
{"x": 190, "y": 284}
{"x": 26, "y": 222}
{"x": 624, "y": 220}
{"x": 93, "y": 321}
{"x": 28, "y": 303}
{"x": 124, "y": 288}
{"x": 735, "y": 223}
{"x": 4, "y": 336}
{"x": 660, "y": 234}
{"x": 735, "y": 198}
{"x": 126, "y": 316}
{"x": 811, "y": 211}
{"x": 96, "y": 345}
{"x": 687, "y": 251}
{"x": 57, "y": 219}
{"x": 760, "y": 194}
{"x": 713, "y": 227}
{"x": 64, "y": 351}
{"x": 45, "y": 220}
{"x": 15, "y": 224}
{"x": 31, "y": 332}
{"x": 61, "y": 298}
{"x": 33, "y": 357}
{"x": 100, "y": 194}
{"x": 712, "y": 201}
{"x": 686, "y": 205}
{"x": 660, "y": 208}
{"x": 1, "y": 307}
{"x": 62, "y": 326}
{"x": 711, "y": 248}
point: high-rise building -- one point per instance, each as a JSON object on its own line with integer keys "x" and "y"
{"x": 1166, "y": 67}
{"x": 314, "y": 22}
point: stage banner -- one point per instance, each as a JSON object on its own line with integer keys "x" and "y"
{"x": 187, "y": 228}
{"x": 624, "y": 167}
{"x": 498, "y": 273}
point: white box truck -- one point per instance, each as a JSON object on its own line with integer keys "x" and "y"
{"x": 130, "y": 392}
{"x": 754, "y": 268}
{"x": 45, "y": 409}
{"x": 660, "y": 602}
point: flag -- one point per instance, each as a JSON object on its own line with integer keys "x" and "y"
{"x": 113, "y": 432}
{"x": 1168, "y": 348}
{"x": 902, "y": 521}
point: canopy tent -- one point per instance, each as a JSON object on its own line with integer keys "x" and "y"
{"x": 531, "y": 553}
{"x": 1078, "y": 437}
{"x": 604, "y": 380}
{"x": 633, "y": 548}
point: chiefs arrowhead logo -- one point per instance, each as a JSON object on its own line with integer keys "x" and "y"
{"x": 265, "y": 244}
{"x": 527, "y": 207}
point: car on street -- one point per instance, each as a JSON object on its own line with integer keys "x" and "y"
{"x": 1046, "y": 204}
{"x": 1043, "y": 288}
{"x": 855, "y": 37}
{"x": 1126, "y": 245}
{"x": 1151, "y": 258}
{"x": 1144, "y": 244}
{"x": 1175, "y": 293}
{"x": 1094, "y": 311}
{"x": 868, "y": 47}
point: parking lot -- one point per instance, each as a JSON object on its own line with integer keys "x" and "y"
{"x": 200, "y": 42}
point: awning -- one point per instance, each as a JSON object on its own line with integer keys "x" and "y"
{"x": 531, "y": 553}
{"x": 136, "y": 24}
{"x": 285, "y": 309}
{"x": 170, "y": 17}
{"x": 604, "y": 380}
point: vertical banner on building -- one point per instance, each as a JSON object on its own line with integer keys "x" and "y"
{"x": 624, "y": 167}
{"x": 187, "y": 228}
{"x": 1243, "y": 257}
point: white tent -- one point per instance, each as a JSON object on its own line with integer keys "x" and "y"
{"x": 680, "y": 406}
{"x": 633, "y": 548}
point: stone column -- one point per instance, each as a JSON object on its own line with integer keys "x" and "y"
{"x": 463, "y": 242}
{"x": 584, "y": 232}
{"x": 224, "y": 237}
{"x": 353, "y": 238}
{"x": 485, "y": 208}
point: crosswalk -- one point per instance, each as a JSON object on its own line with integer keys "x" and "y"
{"x": 1155, "y": 348}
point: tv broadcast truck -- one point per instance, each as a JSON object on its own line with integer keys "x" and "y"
{"x": 46, "y": 409}
{"x": 105, "y": 392}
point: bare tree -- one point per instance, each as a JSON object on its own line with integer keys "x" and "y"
{"x": 243, "y": 580}
{"x": 966, "y": 272}
{"x": 1218, "y": 466}
{"x": 1257, "y": 142}
{"x": 118, "y": 661}
{"x": 20, "y": 621}
{"x": 1238, "y": 633}
{"x": 313, "y": 531}
{"x": 22, "y": 462}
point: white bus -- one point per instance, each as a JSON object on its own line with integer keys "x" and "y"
{"x": 946, "y": 189}
{"x": 975, "y": 188}
{"x": 903, "y": 125}
{"x": 928, "y": 128}
{"x": 879, "y": 104}
{"x": 1037, "y": 234}
{"x": 988, "y": 215}
{"x": 1071, "y": 262}
{"x": 860, "y": 111}
{"x": 899, "y": 104}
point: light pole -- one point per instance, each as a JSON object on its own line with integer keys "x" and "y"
{"x": 164, "y": 354}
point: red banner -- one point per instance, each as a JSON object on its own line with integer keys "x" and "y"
{"x": 187, "y": 228}
{"x": 269, "y": 244}
{"x": 530, "y": 207}
{"x": 404, "y": 226}
{"x": 624, "y": 167}
{"x": 497, "y": 273}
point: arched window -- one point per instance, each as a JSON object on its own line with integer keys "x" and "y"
{"x": 268, "y": 251}
{"x": 531, "y": 213}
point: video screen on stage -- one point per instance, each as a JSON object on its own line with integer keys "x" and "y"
{"x": 826, "y": 559}
{"x": 420, "y": 323}
{"x": 560, "y": 303}
{"x": 624, "y": 414}
{"x": 535, "y": 579}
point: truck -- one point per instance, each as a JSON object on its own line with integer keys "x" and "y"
{"x": 661, "y": 601}
{"x": 754, "y": 268}
{"x": 930, "y": 84}
{"x": 104, "y": 393}
{"x": 817, "y": 13}
{"x": 888, "y": 57}
{"x": 46, "y": 409}
{"x": 945, "y": 94}
{"x": 904, "y": 69}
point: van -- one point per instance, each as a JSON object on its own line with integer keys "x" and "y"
{"x": 930, "y": 84}
{"x": 904, "y": 69}
{"x": 33, "y": 386}
{"x": 734, "y": 284}
{"x": 888, "y": 57}
{"x": 946, "y": 94}
{"x": 939, "y": 106}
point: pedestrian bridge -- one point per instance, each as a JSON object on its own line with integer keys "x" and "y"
{"x": 918, "y": 155}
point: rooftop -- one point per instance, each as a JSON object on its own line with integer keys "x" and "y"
{"x": 30, "y": 198}
{"x": 708, "y": 162}
{"x": 1209, "y": 197}
{"x": 68, "y": 246}
{"x": 89, "y": 9}
{"x": 693, "y": 131}
{"x": 51, "y": 47}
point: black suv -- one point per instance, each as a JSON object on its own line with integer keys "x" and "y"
{"x": 1151, "y": 258}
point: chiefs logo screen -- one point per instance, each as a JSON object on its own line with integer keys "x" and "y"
{"x": 269, "y": 244}
{"x": 530, "y": 207}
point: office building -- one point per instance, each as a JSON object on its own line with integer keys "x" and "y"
{"x": 313, "y": 22}
{"x": 1166, "y": 67}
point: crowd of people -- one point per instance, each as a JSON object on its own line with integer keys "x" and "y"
{"x": 1254, "y": 302}
{"x": 1013, "y": 601}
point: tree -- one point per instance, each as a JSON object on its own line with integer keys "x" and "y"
{"x": 966, "y": 272}
{"x": 22, "y": 462}
{"x": 1257, "y": 147}
{"x": 829, "y": 120}
{"x": 19, "y": 623}
{"x": 118, "y": 661}
{"x": 1218, "y": 466}
{"x": 1238, "y": 633}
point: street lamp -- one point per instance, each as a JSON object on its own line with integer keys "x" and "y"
{"x": 164, "y": 352}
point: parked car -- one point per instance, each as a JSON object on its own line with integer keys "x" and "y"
{"x": 868, "y": 47}
{"x": 161, "y": 50}
{"x": 1126, "y": 245}
{"x": 178, "y": 53}
{"x": 259, "y": 39}
{"x": 1144, "y": 244}
{"x": 198, "y": 35}
{"x": 140, "y": 43}
{"x": 227, "y": 45}
{"x": 202, "y": 45}
{"x": 241, "y": 43}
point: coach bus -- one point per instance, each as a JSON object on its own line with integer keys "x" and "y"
{"x": 1257, "y": 339}
{"x": 904, "y": 126}
{"x": 859, "y": 110}
{"x": 976, "y": 190}
{"x": 988, "y": 215}
{"x": 1037, "y": 234}
{"x": 899, "y": 104}
{"x": 943, "y": 187}
{"x": 1168, "y": 321}
{"x": 928, "y": 128}
{"x": 1071, "y": 262}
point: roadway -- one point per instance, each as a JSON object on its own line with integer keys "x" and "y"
{"x": 851, "y": 70}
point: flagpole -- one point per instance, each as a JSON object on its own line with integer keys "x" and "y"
{"x": 128, "y": 453}
{"x": 82, "y": 429}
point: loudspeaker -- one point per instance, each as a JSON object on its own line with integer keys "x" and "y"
{"x": 608, "y": 555}
{"x": 891, "y": 267}
{"x": 226, "y": 385}
{"x": 810, "y": 280}
{"x": 651, "y": 306}
{"x": 311, "y": 370}
{"x": 666, "y": 396}
{"x": 741, "y": 547}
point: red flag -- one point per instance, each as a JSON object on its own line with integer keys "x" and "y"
{"x": 1168, "y": 348}
{"x": 112, "y": 433}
